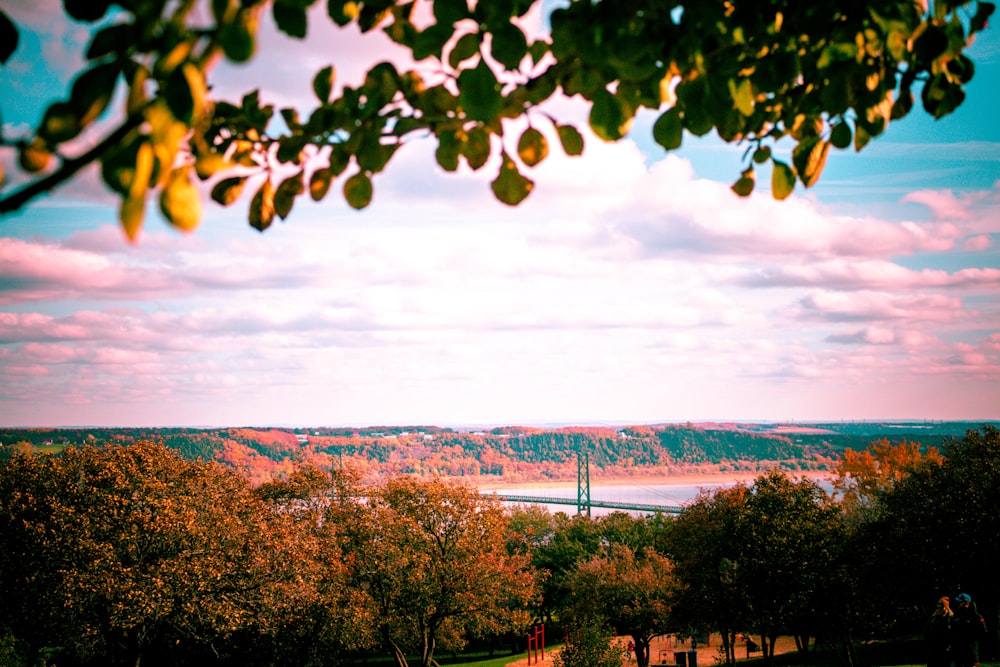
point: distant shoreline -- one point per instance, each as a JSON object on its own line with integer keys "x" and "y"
{"x": 697, "y": 478}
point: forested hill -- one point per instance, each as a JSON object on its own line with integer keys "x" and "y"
{"x": 513, "y": 453}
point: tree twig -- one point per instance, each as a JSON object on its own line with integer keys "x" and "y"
{"x": 68, "y": 168}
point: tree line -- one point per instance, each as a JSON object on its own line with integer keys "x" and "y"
{"x": 129, "y": 554}
{"x": 518, "y": 453}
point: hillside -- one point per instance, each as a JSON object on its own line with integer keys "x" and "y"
{"x": 510, "y": 453}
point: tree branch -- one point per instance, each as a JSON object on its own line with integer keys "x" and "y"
{"x": 68, "y": 168}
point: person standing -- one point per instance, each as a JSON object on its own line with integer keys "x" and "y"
{"x": 967, "y": 628}
{"x": 937, "y": 635}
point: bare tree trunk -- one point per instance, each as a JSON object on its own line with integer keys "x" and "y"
{"x": 641, "y": 650}
{"x": 398, "y": 655}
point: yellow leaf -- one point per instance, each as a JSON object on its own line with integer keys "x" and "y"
{"x": 782, "y": 180}
{"x": 532, "y": 147}
{"x": 262, "y": 207}
{"x": 228, "y": 190}
{"x": 133, "y": 210}
{"x": 180, "y": 201}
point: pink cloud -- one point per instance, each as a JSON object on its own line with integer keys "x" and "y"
{"x": 878, "y": 306}
{"x": 976, "y": 243}
{"x": 976, "y": 212}
{"x": 944, "y": 204}
{"x": 870, "y": 275}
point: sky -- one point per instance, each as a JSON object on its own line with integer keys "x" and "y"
{"x": 631, "y": 287}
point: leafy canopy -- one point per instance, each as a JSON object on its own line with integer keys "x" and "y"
{"x": 818, "y": 74}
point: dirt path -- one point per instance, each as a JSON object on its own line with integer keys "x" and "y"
{"x": 662, "y": 649}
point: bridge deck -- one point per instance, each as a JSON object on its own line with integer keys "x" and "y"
{"x": 606, "y": 504}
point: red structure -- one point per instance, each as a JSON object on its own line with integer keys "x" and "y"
{"x": 536, "y": 639}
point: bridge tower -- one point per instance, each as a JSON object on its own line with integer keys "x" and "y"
{"x": 583, "y": 482}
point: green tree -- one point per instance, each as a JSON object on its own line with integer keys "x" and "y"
{"x": 432, "y": 557}
{"x": 705, "y": 554}
{"x": 788, "y": 533}
{"x": 574, "y": 540}
{"x": 589, "y": 646}
{"x": 819, "y": 74}
{"x": 758, "y": 559}
{"x": 938, "y": 533}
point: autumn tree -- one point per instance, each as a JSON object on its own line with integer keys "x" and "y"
{"x": 816, "y": 75}
{"x": 129, "y": 555}
{"x": 862, "y": 476}
{"x": 432, "y": 558}
{"x": 634, "y": 593}
{"x": 315, "y": 615}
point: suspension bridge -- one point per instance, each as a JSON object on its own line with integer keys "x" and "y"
{"x": 583, "y": 501}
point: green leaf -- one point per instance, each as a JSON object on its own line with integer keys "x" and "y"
{"x": 239, "y": 37}
{"x": 476, "y": 147}
{"x": 668, "y": 130}
{"x": 431, "y": 41}
{"x": 782, "y": 180}
{"x": 931, "y": 43}
{"x": 479, "y": 93}
{"x": 8, "y": 37}
{"x": 510, "y": 187}
{"x": 983, "y": 11}
{"x": 762, "y": 155}
{"x": 861, "y": 137}
{"x": 358, "y": 191}
{"x": 537, "y": 50}
{"x": 59, "y": 123}
{"x": 323, "y": 84}
{"x": 609, "y": 118}
{"x": 509, "y": 45}
{"x": 841, "y": 136}
{"x": 466, "y": 47}
{"x": 228, "y": 190}
{"x": 180, "y": 201}
{"x": 373, "y": 155}
{"x": 532, "y": 147}
{"x": 319, "y": 183}
{"x": 290, "y": 18}
{"x": 342, "y": 12}
{"x": 744, "y": 186}
{"x": 86, "y": 10}
{"x": 448, "y": 150}
{"x": 940, "y": 96}
{"x": 92, "y": 91}
{"x": 449, "y": 12}
{"x": 339, "y": 159}
{"x": 284, "y": 197}
{"x": 571, "y": 139}
{"x": 111, "y": 40}
{"x": 809, "y": 158}
{"x": 371, "y": 16}
{"x": 261, "y": 213}
{"x": 186, "y": 93}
